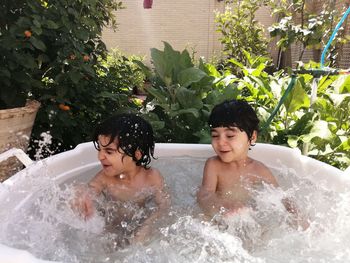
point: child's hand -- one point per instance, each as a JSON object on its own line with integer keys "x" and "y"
{"x": 234, "y": 211}
{"x": 83, "y": 202}
{"x": 232, "y": 208}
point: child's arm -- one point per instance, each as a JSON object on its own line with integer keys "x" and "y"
{"x": 298, "y": 218}
{"x": 207, "y": 197}
{"x": 291, "y": 207}
{"x": 162, "y": 200}
{"x": 83, "y": 201}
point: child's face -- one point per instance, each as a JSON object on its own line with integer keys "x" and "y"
{"x": 231, "y": 144}
{"x": 114, "y": 161}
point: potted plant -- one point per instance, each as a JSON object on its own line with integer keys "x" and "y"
{"x": 17, "y": 75}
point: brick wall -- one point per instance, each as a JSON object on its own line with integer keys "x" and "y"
{"x": 182, "y": 23}
{"x": 190, "y": 24}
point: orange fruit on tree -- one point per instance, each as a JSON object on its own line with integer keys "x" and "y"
{"x": 63, "y": 107}
{"x": 86, "y": 58}
{"x": 27, "y": 33}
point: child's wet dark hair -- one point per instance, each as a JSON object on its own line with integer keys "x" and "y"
{"x": 131, "y": 133}
{"x": 234, "y": 113}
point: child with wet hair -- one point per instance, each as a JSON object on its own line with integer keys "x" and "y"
{"x": 125, "y": 146}
{"x": 229, "y": 176}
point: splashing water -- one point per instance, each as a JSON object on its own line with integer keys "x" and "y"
{"x": 43, "y": 146}
{"x": 45, "y": 224}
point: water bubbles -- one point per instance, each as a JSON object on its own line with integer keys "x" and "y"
{"x": 51, "y": 114}
{"x": 45, "y": 224}
{"x": 43, "y": 145}
{"x": 222, "y": 210}
{"x": 150, "y": 106}
{"x": 149, "y": 251}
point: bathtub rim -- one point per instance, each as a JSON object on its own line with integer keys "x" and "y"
{"x": 273, "y": 153}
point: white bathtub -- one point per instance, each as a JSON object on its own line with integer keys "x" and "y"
{"x": 67, "y": 165}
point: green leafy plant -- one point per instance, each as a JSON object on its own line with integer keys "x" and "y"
{"x": 240, "y": 31}
{"x": 326, "y": 129}
{"x": 181, "y": 96}
{"x": 320, "y": 130}
{"x": 126, "y": 73}
{"x": 52, "y": 51}
{"x": 46, "y": 45}
{"x": 73, "y": 120}
{"x": 299, "y": 24}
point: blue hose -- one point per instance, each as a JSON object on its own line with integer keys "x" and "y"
{"x": 333, "y": 36}
{"x": 314, "y": 72}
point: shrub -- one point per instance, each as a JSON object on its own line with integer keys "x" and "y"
{"x": 48, "y": 47}
{"x": 240, "y": 31}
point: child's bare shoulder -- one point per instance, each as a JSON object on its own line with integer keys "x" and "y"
{"x": 259, "y": 165}
{"x": 263, "y": 172}
{"x": 99, "y": 181}
{"x": 155, "y": 177}
{"x": 213, "y": 161}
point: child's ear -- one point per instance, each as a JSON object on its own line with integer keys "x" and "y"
{"x": 138, "y": 154}
{"x": 254, "y": 137}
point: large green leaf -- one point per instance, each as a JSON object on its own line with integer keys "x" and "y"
{"x": 342, "y": 84}
{"x": 185, "y": 60}
{"x": 190, "y": 75}
{"x": 303, "y": 124}
{"x": 37, "y": 43}
{"x": 293, "y": 141}
{"x": 264, "y": 88}
{"x": 158, "y": 94}
{"x": 51, "y": 24}
{"x": 193, "y": 111}
{"x": 81, "y": 34}
{"x": 324, "y": 83}
{"x": 211, "y": 70}
{"x": 217, "y": 96}
{"x": 163, "y": 66}
{"x": 339, "y": 98}
{"x": 157, "y": 125}
{"x": 297, "y": 98}
{"x": 237, "y": 63}
{"x": 188, "y": 99}
{"x": 75, "y": 76}
{"x": 26, "y": 60}
{"x": 258, "y": 70}
{"x": 204, "y": 136}
{"x": 345, "y": 145}
{"x": 319, "y": 129}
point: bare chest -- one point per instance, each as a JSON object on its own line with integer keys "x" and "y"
{"x": 236, "y": 186}
{"x": 125, "y": 192}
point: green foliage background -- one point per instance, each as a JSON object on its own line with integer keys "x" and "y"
{"x": 183, "y": 94}
{"x": 52, "y": 51}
